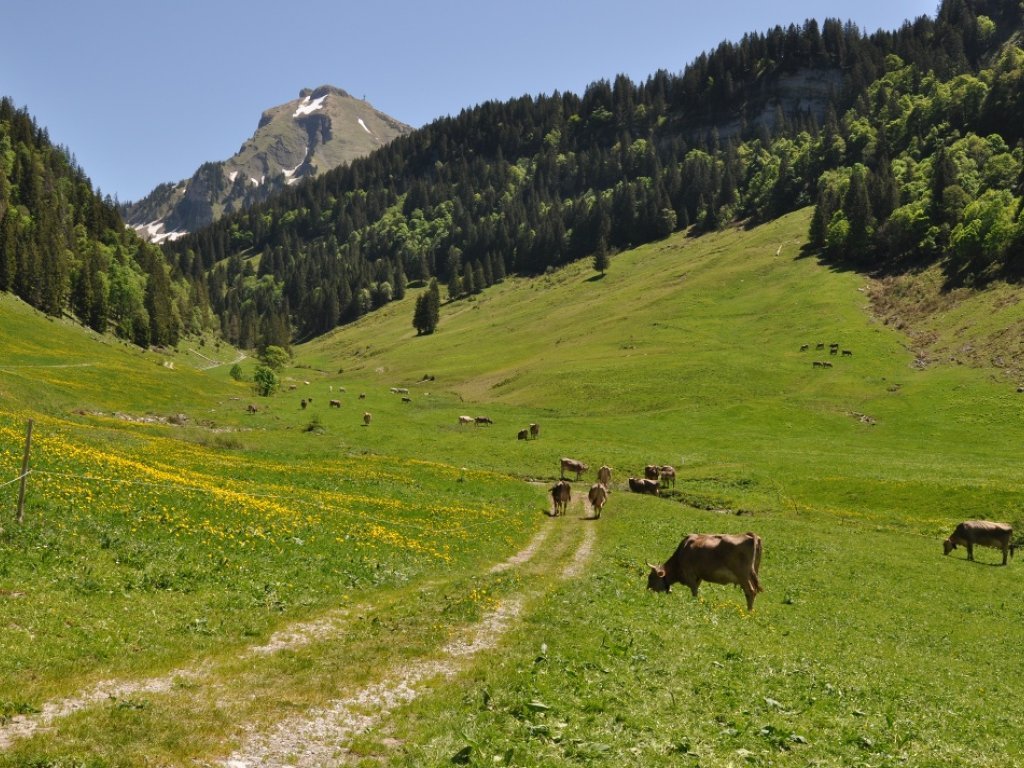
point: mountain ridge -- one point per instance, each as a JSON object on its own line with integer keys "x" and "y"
{"x": 323, "y": 128}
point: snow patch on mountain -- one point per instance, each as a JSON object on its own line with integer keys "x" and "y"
{"x": 364, "y": 126}
{"x": 153, "y": 232}
{"x": 308, "y": 106}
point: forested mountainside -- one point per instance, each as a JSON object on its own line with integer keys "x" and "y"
{"x": 900, "y": 137}
{"x": 63, "y": 249}
{"x": 318, "y": 131}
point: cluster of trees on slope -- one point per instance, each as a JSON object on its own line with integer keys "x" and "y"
{"x": 532, "y": 183}
{"x": 930, "y": 171}
{"x": 65, "y": 249}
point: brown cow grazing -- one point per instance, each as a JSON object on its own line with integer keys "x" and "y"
{"x": 983, "y": 533}
{"x": 483, "y": 420}
{"x": 597, "y": 496}
{"x": 643, "y": 485}
{"x": 303, "y": 404}
{"x": 718, "y": 558}
{"x": 534, "y": 430}
{"x": 362, "y": 395}
{"x": 367, "y": 417}
{"x": 335, "y": 403}
{"x": 522, "y": 434}
{"x": 251, "y": 408}
{"x": 571, "y": 465}
{"x": 604, "y": 477}
{"x": 561, "y": 495}
{"x": 668, "y": 476}
{"x": 652, "y": 472}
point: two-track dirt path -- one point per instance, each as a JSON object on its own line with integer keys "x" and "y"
{"x": 320, "y": 736}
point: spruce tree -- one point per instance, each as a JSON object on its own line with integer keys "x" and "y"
{"x": 601, "y": 260}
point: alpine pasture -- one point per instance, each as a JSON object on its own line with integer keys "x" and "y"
{"x": 296, "y": 587}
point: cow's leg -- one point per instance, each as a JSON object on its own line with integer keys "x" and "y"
{"x": 970, "y": 550}
{"x": 750, "y": 591}
{"x": 1006, "y": 549}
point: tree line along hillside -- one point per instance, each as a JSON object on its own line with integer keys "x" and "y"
{"x": 65, "y": 250}
{"x": 912, "y": 146}
{"x": 910, "y": 149}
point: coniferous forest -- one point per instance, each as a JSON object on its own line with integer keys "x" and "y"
{"x": 907, "y": 142}
{"x": 64, "y": 249}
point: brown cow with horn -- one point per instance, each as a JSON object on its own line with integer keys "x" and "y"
{"x": 984, "y": 533}
{"x": 720, "y": 558}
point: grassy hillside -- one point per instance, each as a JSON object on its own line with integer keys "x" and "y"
{"x": 164, "y": 557}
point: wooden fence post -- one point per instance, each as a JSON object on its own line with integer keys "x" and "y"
{"x": 24, "y": 473}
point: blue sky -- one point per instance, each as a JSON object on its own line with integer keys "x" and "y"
{"x": 144, "y": 92}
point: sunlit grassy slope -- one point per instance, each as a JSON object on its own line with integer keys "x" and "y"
{"x": 688, "y": 352}
{"x": 150, "y": 548}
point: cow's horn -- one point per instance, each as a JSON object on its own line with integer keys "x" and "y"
{"x": 652, "y": 566}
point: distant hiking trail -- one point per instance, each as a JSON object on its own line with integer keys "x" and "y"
{"x": 321, "y": 733}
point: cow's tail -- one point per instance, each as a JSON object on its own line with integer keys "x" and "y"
{"x": 757, "y": 563}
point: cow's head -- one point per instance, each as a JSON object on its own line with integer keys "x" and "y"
{"x": 656, "y": 579}
{"x": 948, "y": 546}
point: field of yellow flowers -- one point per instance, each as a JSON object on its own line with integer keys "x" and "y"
{"x": 139, "y": 550}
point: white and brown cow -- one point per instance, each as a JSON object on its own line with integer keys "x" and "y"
{"x": 572, "y": 465}
{"x": 652, "y": 472}
{"x": 720, "y": 558}
{"x": 465, "y": 420}
{"x": 367, "y": 418}
{"x": 984, "y": 533}
{"x": 667, "y": 475}
{"x": 604, "y": 476}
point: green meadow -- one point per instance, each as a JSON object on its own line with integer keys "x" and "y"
{"x": 195, "y": 593}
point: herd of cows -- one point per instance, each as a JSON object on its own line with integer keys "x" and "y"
{"x": 712, "y": 557}
{"x": 721, "y": 558}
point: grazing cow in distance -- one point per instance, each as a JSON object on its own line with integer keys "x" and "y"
{"x": 597, "y": 496}
{"x": 820, "y": 345}
{"x": 362, "y": 395}
{"x": 561, "y": 495}
{"x": 251, "y": 408}
{"x": 367, "y": 417}
{"x": 483, "y": 420}
{"x": 643, "y": 485}
{"x": 303, "y": 404}
{"x": 847, "y": 353}
{"x": 718, "y": 558}
{"x": 465, "y": 420}
{"x": 804, "y": 347}
{"x": 535, "y": 430}
{"x": 522, "y": 434}
{"x": 668, "y": 476}
{"x": 652, "y": 472}
{"x": 604, "y": 476}
{"x": 335, "y": 403}
{"x": 406, "y": 399}
{"x": 984, "y": 533}
{"x": 572, "y": 465}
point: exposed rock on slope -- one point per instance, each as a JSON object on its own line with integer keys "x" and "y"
{"x": 322, "y": 129}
